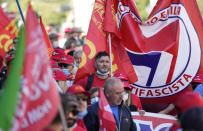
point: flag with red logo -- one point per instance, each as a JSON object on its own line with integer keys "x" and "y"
{"x": 106, "y": 118}
{"x": 97, "y": 40}
{"x": 39, "y": 98}
{"x": 8, "y": 31}
{"x": 153, "y": 121}
{"x": 165, "y": 50}
{"x": 47, "y": 40}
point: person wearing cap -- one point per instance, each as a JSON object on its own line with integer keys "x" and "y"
{"x": 54, "y": 39}
{"x": 60, "y": 78}
{"x": 182, "y": 103}
{"x": 71, "y": 109}
{"x": 113, "y": 91}
{"x": 82, "y": 97}
{"x": 102, "y": 65}
{"x": 67, "y": 64}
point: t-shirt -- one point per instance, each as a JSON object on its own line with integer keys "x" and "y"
{"x": 115, "y": 111}
{"x": 96, "y": 82}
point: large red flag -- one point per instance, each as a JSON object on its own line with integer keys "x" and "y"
{"x": 165, "y": 50}
{"x": 47, "y": 40}
{"x": 39, "y": 101}
{"x": 97, "y": 40}
{"x": 8, "y": 31}
{"x": 106, "y": 119}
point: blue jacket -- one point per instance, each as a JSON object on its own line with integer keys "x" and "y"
{"x": 91, "y": 120}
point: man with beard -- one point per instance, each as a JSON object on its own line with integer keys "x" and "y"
{"x": 102, "y": 65}
{"x": 71, "y": 109}
{"x": 113, "y": 91}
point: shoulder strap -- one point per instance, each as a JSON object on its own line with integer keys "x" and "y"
{"x": 89, "y": 82}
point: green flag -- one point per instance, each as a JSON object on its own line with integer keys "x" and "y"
{"x": 9, "y": 96}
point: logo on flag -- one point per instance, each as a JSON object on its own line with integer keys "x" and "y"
{"x": 169, "y": 54}
{"x": 153, "y": 121}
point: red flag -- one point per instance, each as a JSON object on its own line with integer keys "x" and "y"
{"x": 8, "y": 32}
{"x": 97, "y": 40}
{"x": 165, "y": 50}
{"x": 48, "y": 42}
{"x": 106, "y": 119}
{"x": 39, "y": 99}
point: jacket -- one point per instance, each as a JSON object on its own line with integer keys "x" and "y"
{"x": 91, "y": 120}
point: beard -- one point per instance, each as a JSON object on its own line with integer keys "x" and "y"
{"x": 71, "y": 124}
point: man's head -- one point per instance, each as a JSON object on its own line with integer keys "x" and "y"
{"x": 113, "y": 90}
{"x": 70, "y": 106}
{"x": 77, "y": 56}
{"x": 102, "y": 62}
{"x": 54, "y": 39}
{"x": 81, "y": 95}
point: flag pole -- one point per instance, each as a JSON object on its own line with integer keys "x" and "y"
{"x": 63, "y": 119}
{"x": 21, "y": 13}
{"x": 109, "y": 39}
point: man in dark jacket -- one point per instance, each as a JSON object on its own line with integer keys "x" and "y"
{"x": 113, "y": 90}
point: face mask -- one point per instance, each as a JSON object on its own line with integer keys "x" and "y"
{"x": 125, "y": 96}
{"x": 102, "y": 74}
{"x": 94, "y": 100}
{"x": 55, "y": 44}
{"x": 65, "y": 71}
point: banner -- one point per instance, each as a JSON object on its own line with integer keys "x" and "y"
{"x": 39, "y": 98}
{"x": 106, "y": 118}
{"x": 152, "y": 121}
{"x": 97, "y": 40}
{"x": 165, "y": 50}
{"x": 8, "y": 31}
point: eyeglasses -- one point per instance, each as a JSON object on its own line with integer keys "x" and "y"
{"x": 74, "y": 112}
{"x": 82, "y": 98}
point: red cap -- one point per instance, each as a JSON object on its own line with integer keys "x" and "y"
{"x": 120, "y": 76}
{"x": 48, "y": 28}
{"x": 67, "y": 59}
{"x": 67, "y": 30}
{"x": 57, "y": 53}
{"x": 59, "y": 75}
{"x": 188, "y": 100}
{"x": 198, "y": 78}
{"x": 54, "y": 64}
{"x": 74, "y": 89}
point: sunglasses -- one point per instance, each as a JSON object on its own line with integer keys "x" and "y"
{"x": 82, "y": 98}
{"x": 74, "y": 112}
{"x": 63, "y": 65}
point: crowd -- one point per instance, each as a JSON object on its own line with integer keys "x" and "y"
{"x": 80, "y": 99}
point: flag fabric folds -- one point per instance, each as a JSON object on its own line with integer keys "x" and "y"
{"x": 97, "y": 40}
{"x": 39, "y": 101}
{"x": 47, "y": 40}
{"x": 106, "y": 118}
{"x": 165, "y": 50}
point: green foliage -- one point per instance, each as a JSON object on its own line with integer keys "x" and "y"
{"x": 141, "y": 6}
{"x": 50, "y": 10}
{"x": 200, "y": 4}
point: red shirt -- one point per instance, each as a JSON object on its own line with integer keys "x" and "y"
{"x": 96, "y": 82}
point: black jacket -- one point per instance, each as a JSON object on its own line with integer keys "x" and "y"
{"x": 91, "y": 120}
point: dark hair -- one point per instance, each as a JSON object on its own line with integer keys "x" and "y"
{"x": 69, "y": 42}
{"x": 100, "y": 54}
{"x": 192, "y": 119}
